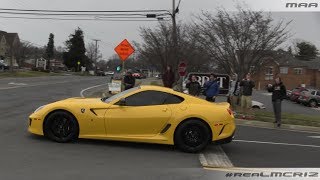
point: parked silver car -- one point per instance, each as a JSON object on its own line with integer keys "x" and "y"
{"x": 310, "y": 98}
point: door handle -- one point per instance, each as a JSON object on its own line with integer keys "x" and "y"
{"x": 165, "y": 109}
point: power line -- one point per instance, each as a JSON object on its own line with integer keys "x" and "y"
{"x": 82, "y": 11}
{"x": 75, "y": 14}
{"x": 78, "y": 19}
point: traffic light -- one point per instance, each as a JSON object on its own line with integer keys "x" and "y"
{"x": 118, "y": 69}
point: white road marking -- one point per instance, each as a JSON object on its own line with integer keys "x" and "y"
{"x": 17, "y": 84}
{"x": 214, "y": 156}
{"x": 266, "y": 170}
{"x": 277, "y": 143}
{"x": 316, "y": 137}
{"x": 317, "y": 109}
{"x": 81, "y": 93}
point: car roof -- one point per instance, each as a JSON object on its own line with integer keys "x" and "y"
{"x": 160, "y": 88}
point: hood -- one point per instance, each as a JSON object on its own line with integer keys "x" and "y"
{"x": 82, "y": 100}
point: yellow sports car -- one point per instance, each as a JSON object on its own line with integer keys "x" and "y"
{"x": 149, "y": 114}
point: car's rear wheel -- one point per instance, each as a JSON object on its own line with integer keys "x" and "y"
{"x": 192, "y": 136}
{"x": 313, "y": 103}
{"x": 61, "y": 126}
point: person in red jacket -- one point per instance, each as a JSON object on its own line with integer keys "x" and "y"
{"x": 168, "y": 77}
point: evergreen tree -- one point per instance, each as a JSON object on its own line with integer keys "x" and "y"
{"x": 76, "y": 51}
{"x": 50, "y": 50}
{"x": 306, "y": 51}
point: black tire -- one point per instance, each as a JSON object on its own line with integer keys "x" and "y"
{"x": 255, "y": 107}
{"x": 313, "y": 103}
{"x": 61, "y": 126}
{"x": 192, "y": 136}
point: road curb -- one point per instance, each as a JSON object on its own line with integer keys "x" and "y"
{"x": 290, "y": 127}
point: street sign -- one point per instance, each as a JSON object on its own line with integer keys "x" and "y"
{"x": 124, "y": 50}
{"x": 182, "y": 68}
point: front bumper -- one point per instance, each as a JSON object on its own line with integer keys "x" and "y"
{"x": 35, "y": 124}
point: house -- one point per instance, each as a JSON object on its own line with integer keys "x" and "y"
{"x": 9, "y": 43}
{"x": 293, "y": 72}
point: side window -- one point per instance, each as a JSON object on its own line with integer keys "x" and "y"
{"x": 173, "y": 99}
{"x": 313, "y": 93}
{"x": 318, "y": 93}
{"x": 146, "y": 98}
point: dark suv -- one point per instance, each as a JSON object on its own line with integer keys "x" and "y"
{"x": 310, "y": 98}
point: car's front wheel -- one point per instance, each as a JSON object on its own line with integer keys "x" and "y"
{"x": 192, "y": 136}
{"x": 61, "y": 126}
{"x": 313, "y": 103}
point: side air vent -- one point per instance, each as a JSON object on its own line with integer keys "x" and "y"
{"x": 165, "y": 129}
{"x": 222, "y": 130}
{"x": 93, "y": 112}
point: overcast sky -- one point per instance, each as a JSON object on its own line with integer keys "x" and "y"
{"x": 305, "y": 25}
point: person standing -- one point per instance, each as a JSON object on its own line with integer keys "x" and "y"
{"x": 234, "y": 92}
{"x": 194, "y": 86}
{"x": 129, "y": 81}
{"x": 168, "y": 77}
{"x": 211, "y": 88}
{"x": 278, "y": 94}
{"x": 247, "y": 86}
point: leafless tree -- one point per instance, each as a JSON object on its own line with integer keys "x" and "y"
{"x": 157, "y": 48}
{"x": 238, "y": 41}
{"x": 91, "y": 52}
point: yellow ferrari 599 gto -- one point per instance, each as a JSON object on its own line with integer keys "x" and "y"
{"x": 149, "y": 114}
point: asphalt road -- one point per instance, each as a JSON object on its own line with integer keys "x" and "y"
{"x": 25, "y": 156}
{"x": 273, "y": 148}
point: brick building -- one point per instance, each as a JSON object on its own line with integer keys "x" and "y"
{"x": 292, "y": 71}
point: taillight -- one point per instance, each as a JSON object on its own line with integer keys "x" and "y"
{"x": 230, "y": 111}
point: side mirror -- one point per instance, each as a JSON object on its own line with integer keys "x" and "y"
{"x": 122, "y": 102}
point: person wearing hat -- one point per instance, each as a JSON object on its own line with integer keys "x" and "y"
{"x": 129, "y": 81}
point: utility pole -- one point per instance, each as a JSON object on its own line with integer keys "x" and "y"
{"x": 96, "y": 53}
{"x": 175, "y": 43}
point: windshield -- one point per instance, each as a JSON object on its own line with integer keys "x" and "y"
{"x": 123, "y": 93}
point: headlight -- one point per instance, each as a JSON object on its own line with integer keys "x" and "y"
{"x": 39, "y": 108}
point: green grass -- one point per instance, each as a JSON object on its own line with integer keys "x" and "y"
{"x": 289, "y": 118}
{"x": 26, "y": 74}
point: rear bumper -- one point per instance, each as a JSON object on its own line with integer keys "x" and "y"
{"x": 225, "y": 140}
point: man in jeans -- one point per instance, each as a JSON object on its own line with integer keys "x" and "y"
{"x": 278, "y": 94}
{"x": 211, "y": 88}
{"x": 247, "y": 86}
{"x": 234, "y": 92}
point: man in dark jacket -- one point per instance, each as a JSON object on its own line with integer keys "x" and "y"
{"x": 194, "y": 86}
{"x": 278, "y": 94}
{"x": 247, "y": 86}
{"x": 211, "y": 88}
{"x": 168, "y": 77}
{"x": 129, "y": 81}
